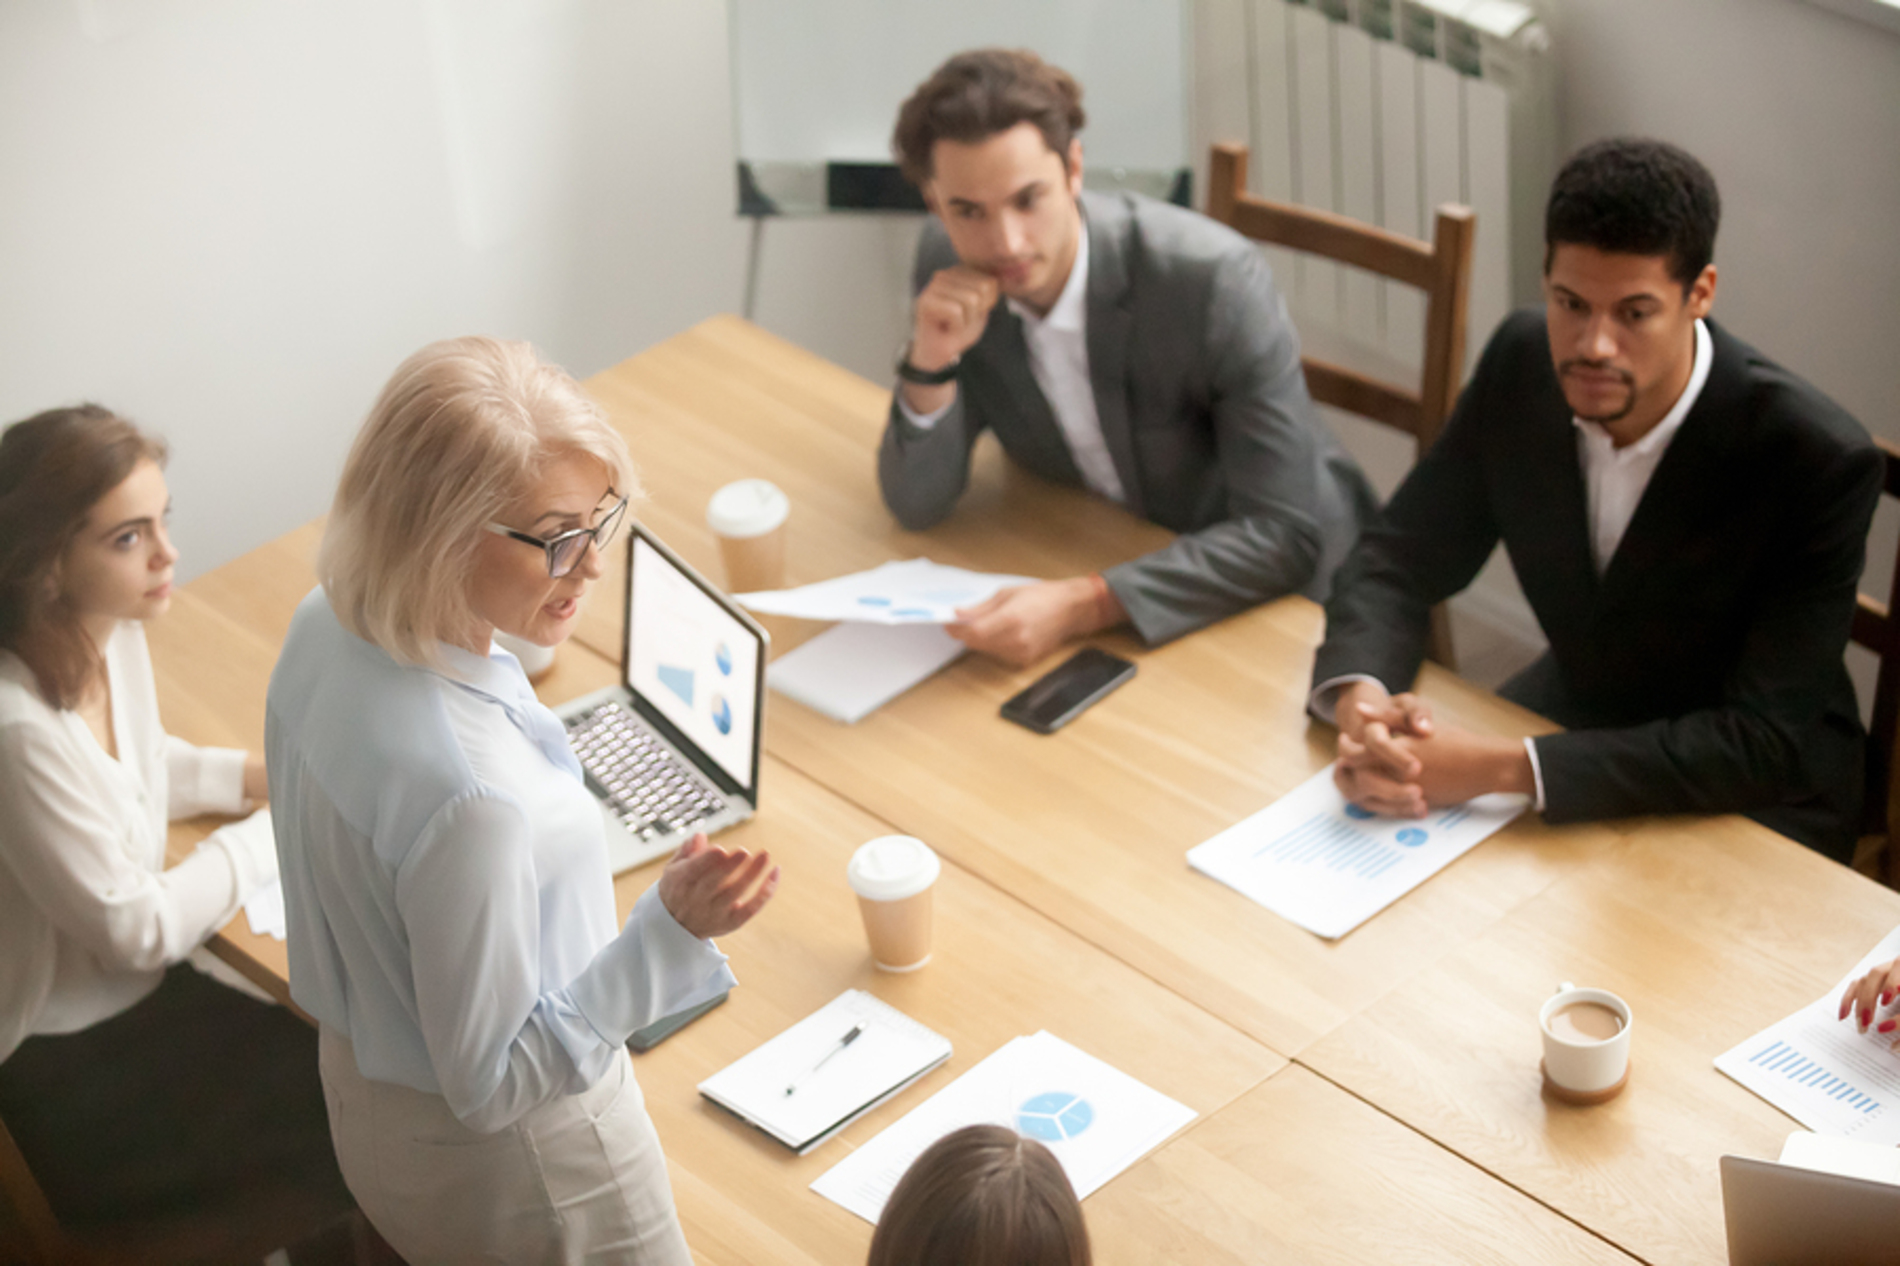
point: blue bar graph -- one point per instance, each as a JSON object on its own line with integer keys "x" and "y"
{"x": 1781, "y": 1058}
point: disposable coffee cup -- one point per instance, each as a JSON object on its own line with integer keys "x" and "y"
{"x": 536, "y": 660}
{"x": 1586, "y": 1044}
{"x": 894, "y": 876}
{"x": 748, "y": 517}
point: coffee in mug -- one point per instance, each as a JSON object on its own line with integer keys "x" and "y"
{"x": 1586, "y": 1044}
{"x": 894, "y": 877}
{"x": 749, "y": 517}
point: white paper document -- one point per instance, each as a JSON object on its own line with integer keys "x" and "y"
{"x": 264, "y": 909}
{"x": 849, "y": 671}
{"x": 1329, "y": 865}
{"x": 1824, "y": 1072}
{"x": 1096, "y": 1119}
{"x": 916, "y": 591}
{"x": 827, "y": 1070}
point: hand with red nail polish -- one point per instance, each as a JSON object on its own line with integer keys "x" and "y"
{"x": 1877, "y": 988}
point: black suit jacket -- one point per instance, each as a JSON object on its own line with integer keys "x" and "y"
{"x": 1703, "y": 672}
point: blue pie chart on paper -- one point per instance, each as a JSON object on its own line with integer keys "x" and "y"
{"x": 1054, "y": 1116}
{"x": 1355, "y": 812}
{"x": 722, "y": 658}
{"x": 1412, "y": 837}
{"x": 721, "y": 714}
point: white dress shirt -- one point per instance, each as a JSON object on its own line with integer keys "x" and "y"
{"x": 89, "y": 915}
{"x": 1614, "y": 482}
{"x": 1058, "y": 343}
{"x": 450, "y": 907}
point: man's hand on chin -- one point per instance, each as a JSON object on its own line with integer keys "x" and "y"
{"x": 1019, "y": 626}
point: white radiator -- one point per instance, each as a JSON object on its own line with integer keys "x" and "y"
{"x": 1381, "y": 110}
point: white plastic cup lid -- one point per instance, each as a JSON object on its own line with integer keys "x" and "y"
{"x": 750, "y": 507}
{"x": 892, "y": 867}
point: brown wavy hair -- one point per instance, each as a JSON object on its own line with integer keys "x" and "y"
{"x": 977, "y": 94}
{"x": 982, "y": 1196}
{"x": 54, "y": 467}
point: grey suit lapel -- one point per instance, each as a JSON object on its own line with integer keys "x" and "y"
{"x": 1038, "y": 436}
{"x": 1110, "y": 324}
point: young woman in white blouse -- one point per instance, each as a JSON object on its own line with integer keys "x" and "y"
{"x": 138, "y": 1089}
{"x": 451, "y": 912}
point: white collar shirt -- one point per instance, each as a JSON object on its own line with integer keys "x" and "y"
{"x": 1058, "y": 343}
{"x": 446, "y": 886}
{"x": 1616, "y": 478}
{"x": 90, "y": 916}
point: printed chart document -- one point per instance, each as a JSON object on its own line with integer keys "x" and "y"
{"x": 827, "y": 1070}
{"x": 916, "y": 591}
{"x": 1329, "y": 865}
{"x": 850, "y": 671}
{"x": 1096, "y": 1119}
{"x": 1824, "y": 1072}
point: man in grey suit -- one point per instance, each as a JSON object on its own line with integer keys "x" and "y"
{"x": 1110, "y": 341}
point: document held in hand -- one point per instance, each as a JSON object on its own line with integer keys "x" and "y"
{"x": 827, "y": 1070}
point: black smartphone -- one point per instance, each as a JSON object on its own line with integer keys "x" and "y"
{"x": 666, "y": 1026}
{"x": 1063, "y": 693}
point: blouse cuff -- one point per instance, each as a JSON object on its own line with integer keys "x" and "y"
{"x": 251, "y": 849}
{"x": 204, "y": 779}
{"x": 652, "y": 969}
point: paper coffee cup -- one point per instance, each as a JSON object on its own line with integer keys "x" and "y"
{"x": 1586, "y": 1044}
{"x": 749, "y": 517}
{"x": 894, "y": 877}
{"x": 536, "y": 660}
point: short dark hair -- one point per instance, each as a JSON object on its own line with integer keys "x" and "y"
{"x": 982, "y": 1196}
{"x": 977, "y": 94}
{"x": 53, "y": 467}
{"x": 1632, "y": 196}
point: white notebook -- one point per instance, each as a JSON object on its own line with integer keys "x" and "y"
{"x": 827, "y": 1070}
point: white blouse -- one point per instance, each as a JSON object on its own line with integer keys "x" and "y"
{"x": 450, "y": 905}
{"x": 89, "y": 915}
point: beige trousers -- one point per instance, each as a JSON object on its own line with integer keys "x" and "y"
{"x": 581, "y": 1179}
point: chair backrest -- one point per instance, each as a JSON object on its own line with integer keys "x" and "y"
{"x": 32, "y": 1217}
{"x": 1878, "y": 629}
{"x": 1441, "y": 268}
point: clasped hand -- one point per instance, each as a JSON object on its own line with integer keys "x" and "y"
{"x": 711, "y": 891}
{"x": 1396, "y": 760}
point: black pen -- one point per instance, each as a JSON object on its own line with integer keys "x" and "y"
{"x": 840, "y": 1044}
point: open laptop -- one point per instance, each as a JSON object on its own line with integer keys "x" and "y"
{"x": 673, "y": 750}
{"x": 1785, "y": 1215}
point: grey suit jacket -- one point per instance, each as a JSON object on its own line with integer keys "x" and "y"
{"x": 1203, "y": 406}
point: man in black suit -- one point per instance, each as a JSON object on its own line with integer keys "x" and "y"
{"x": 1687, "y": 518}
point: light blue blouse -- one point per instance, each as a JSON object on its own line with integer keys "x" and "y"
{"x": 445, "y": 879}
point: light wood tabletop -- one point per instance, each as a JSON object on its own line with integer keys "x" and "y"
{"x": 1409, "y": 1129}
{"x": 1711, "y": 931}
{"x": 1091, "y": 825}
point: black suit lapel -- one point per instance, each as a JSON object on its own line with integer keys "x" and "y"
{"x": 1676, "y": 506}
{"x": 1109, "y": 325}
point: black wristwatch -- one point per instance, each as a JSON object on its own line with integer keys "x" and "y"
{"x": 926, "y": 377}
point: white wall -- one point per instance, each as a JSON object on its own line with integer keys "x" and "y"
{"x": 231, "y": 220}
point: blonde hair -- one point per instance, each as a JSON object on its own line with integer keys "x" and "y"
{"x": 463, "y": 428}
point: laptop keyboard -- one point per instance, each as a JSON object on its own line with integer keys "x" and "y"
{"x": 648, "y": 788}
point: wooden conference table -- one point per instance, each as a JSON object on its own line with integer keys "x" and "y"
{"x": 1370, "y": 1099}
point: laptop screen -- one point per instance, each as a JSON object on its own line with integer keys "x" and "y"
{"x": 692, "y": 660}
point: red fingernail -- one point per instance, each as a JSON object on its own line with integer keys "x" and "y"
{"x": 1866, "y": 1017}
{"x": 1888, "y": 1026}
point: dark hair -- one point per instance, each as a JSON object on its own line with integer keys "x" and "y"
{"x": 977, "y": 94}
{"x": 54, "y": 467}
{"x": 1632, "y": 196}
{"x": 982, "y": 1196}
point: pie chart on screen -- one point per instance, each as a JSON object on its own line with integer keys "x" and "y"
{"x": 721, "y": 714}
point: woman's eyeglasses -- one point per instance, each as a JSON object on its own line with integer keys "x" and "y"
{"x": 565, "y": 550}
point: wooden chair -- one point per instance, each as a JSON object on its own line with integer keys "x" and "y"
{"x": 1878, "y": 629}
{"x": 1441, "y": 268}
{"x": 28, "y": 1230}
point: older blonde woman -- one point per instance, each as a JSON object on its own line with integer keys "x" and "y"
{"x": 451, "y": 912}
